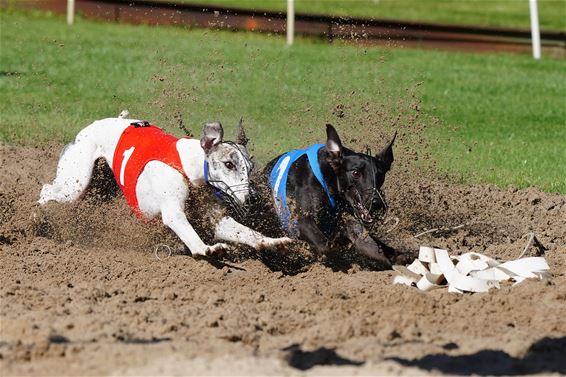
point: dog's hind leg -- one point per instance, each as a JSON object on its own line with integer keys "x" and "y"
{"x": 74, "y": 171}
{"x": 230, "y": 230}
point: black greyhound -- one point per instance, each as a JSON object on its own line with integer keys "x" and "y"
{"x": 313, "y": 187}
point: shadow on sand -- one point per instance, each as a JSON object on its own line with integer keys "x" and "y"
{"x": 304, "y": 360}
{"x": 548, "y": 355}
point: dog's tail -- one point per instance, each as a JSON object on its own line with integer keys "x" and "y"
{"x": 124, "y": 114}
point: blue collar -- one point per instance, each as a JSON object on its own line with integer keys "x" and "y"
{"x": 312, "y": 154}
{"x": 217, "y": 191}
{"x": 205, "y": 171}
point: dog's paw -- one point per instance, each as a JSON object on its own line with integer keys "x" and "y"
{"x": 217, "y": 249}
{"x": 404, "y": 258}
{"x": 272, "y": 243}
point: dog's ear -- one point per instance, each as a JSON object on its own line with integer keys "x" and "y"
{"x": 212, "y": 135}
{"x": 333, "y": 147}
{"x": 241, "y": 136}
{"x": 386, "y": 154}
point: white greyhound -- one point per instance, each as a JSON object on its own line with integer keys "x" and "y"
{"x": 154, "y": 171}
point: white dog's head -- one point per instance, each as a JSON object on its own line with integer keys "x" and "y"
{"x": 228, "y": 163}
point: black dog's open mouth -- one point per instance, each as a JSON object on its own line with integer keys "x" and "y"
{"x": 372, "y": 208}
{"x": 362, "y": 213}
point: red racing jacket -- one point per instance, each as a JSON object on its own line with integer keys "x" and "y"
{"x": 138, "y": 145}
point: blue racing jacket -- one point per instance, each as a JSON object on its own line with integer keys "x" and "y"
{"x": 278, "y": 183}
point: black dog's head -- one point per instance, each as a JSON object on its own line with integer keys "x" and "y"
{"x": 360, "y": 176}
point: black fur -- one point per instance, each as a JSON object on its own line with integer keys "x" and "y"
{"x": 354, "y": 179}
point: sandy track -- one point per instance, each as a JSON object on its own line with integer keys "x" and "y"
{"x": 87, "y": 295}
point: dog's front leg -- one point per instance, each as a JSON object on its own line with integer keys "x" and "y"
{"x": 229, "y": 229}
{"x": 310, "y": 232}
{"x": 162, "y": 189}
{"x": 174, "y": 217}
{"x": 364, "y": 243}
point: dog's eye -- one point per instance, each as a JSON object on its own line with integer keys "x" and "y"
{"x": 356, "y": 174}
{"x": 229, "y": 165}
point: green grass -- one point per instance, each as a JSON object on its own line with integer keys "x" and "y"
{"x": 506, "y": 13}
{"x": 486, "y": 118}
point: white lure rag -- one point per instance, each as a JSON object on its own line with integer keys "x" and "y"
{"x": 469, "y": 272}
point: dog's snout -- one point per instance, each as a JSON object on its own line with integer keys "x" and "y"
{"x": 242, "y": 196}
